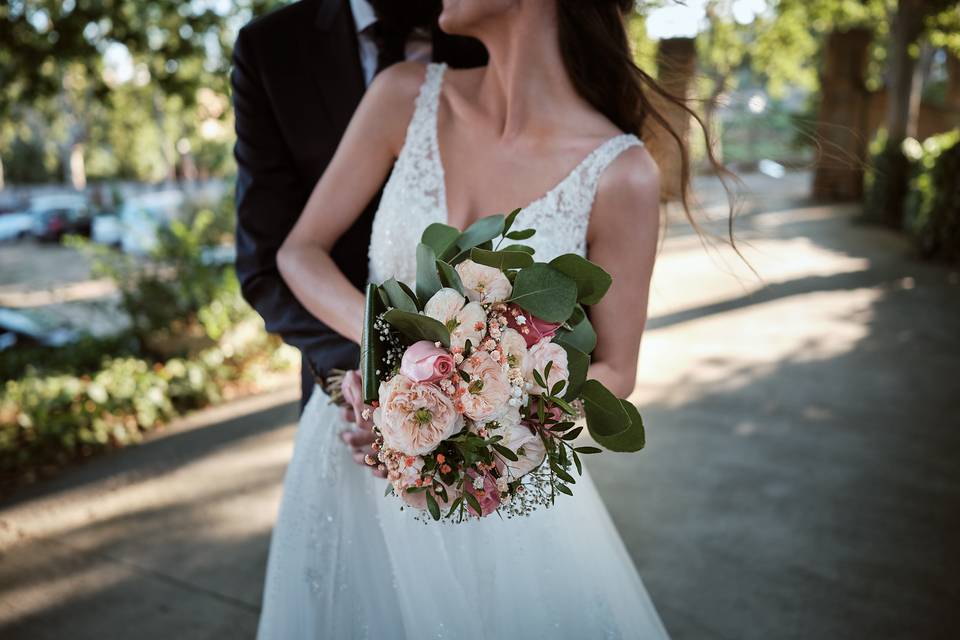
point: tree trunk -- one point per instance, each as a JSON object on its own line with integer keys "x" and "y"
{"x": 2, "y": 182}
{"x": 903, "y": 105}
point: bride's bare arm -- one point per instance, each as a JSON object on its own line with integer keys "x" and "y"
{"x": 357, "y": 171}
{"x": 622, "y": 239}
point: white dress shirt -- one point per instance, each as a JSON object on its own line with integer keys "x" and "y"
{"x": 418, "y": 46}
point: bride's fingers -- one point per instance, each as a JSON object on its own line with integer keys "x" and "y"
{"x": 357, "y": 439}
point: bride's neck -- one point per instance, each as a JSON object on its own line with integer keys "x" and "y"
{"x": 525, "y": 78}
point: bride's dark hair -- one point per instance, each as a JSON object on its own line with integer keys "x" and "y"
{"x": 596, "y": 54}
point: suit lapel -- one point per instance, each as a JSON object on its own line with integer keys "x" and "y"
{"x": 332, "y": 51}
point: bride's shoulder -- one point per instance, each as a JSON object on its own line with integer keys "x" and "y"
{"x": 398, "y": 84}
{"x": 629, "y": 188}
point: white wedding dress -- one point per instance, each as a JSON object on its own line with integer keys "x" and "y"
{"x": 346, "y": 562}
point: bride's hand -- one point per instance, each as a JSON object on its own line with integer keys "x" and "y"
{"x": 361, "y": 436}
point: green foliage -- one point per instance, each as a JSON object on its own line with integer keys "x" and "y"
{"x": 932, "y": 210}
{"x": 48, "y": 420}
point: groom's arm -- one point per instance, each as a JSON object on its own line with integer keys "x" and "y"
{"x": 270, "y": 198}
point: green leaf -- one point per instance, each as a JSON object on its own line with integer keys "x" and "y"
{"x": 372, "y": 350}
{"x": 442, "y": 238}
{"x": 428, "y": 282}
{"x": 563, "y": 475}
{"x": 521, "y": 234}
{"x": 545, "y": 292}
{"x": 510, "y": 219}
{"x": 581, "y": 336}
{"x": 432, "y": 505}
{"x": 501, "y": 260}
{"x": 398, "y": 297}
{"x": 576, "y": 461}
{"x": 592, "y": 281}
{"x": 483, "y": 230}
{"x": 456, "y": 504}
{"x": 506, "y": 453}
{"x": 449, "y": 277}
{"x": 418, "y": 327}
{"x": 615, "y": 424}
{"x": 564, "y": 489}
{"x": 578, "y": 363}
{"x": 519, "y": 247}
{"x": 572, "y": 434}
{"x": 473, "y": 502}
{"x": 588, "y": 450}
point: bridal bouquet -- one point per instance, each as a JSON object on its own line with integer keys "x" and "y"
{"x": 477, "y": 379}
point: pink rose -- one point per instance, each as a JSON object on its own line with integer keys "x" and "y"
{"x": 488, "y": 495}
{"x": 425, "y": 362}
{"x": 414, "y": 417}
{"x": 532, "y": 328}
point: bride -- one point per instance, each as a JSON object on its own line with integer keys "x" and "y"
{"x": 549, "y": 125}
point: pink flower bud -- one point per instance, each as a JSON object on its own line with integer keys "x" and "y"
{"x": 532, "y": 329}
{"x": 425, "y": 362}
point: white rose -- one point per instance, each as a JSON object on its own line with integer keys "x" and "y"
{"x": 529, "y": 449}
{"x": 538, "y": 357}
{"x": 514, "y": 347}
{"x": 465, "y": 321}
{"x": 482, "y": 283}
{"x": 501, "y": 424}
{"x": 444, "y": 306}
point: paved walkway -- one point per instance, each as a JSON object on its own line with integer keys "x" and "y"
{"x": 801, "y": 478}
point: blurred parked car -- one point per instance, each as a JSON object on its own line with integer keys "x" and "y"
{"x": 107, "y": 229}
{"x": 57, "y": 215}
{"x": 141, "y": 218}
{"x": 14, "y": 226}
{"x": 20, "y": 328}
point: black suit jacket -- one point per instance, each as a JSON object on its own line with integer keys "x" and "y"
{"x": 297, "y": 79}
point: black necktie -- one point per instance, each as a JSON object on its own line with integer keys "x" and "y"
{"x": 391, "y": 43}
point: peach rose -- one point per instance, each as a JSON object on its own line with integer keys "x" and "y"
{"x": 482, "y": 283}
{"x": 538, "y": 357}
{"x": 487, "y": 392}
{"x": 414, "y": 417}
{"x": 528, "y": 446}
{"x": 425, "y": 362}
{"x": 465, "y": 321}
{"x": 514, "y": 347}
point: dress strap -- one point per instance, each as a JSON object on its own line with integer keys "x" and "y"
{"x": 604, "y": 155}
{"x": 423, "y": 125}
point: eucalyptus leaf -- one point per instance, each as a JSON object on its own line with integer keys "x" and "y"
{"x": 510, "y": 219}
{"x": 442, "y": 238}
{"x": 428, "y": 281}
{"x": 578, "y": 363}
{"x": 614, "y": 423}
{"x": 545, "y": 292}
{"x": 592, "y": 281}
{"x": 483, "y": 230}
{"x": 582, "y": 336}
{"x": 519, "y": 247}
{"x": 372, "y": 351}
{"x": 418, "y": 327}
{"x": 398, "y": 297}
{"x": 501, "y": 260}
{"x": 449, "y": 277}
{"x": 521, "y": 234}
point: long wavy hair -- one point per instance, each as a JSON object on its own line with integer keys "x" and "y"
{"x": 597, "y": 56}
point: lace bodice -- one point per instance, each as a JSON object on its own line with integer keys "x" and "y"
{"x": 415, "y": 195}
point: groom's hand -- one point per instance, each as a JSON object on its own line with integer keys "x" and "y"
{"x": 359, "y": 438}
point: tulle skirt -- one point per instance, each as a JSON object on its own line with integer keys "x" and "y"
{"x": 346, "y": 562}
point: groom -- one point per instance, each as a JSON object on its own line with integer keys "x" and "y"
{"x": 298, "y": 75}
